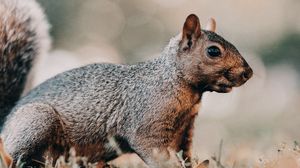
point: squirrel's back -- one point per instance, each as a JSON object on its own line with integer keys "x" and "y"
{"x": 23, "y": 36}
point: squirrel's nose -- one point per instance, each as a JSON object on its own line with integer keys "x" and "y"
{"x": 247, "y": 74}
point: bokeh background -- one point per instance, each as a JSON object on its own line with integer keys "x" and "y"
{"x": 253, "y": 120}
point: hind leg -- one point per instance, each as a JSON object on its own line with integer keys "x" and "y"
{"x": 29, "y": 131}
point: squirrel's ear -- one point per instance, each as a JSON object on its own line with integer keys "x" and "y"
{"x": 211, "y": 25}
{"x": 191, "y": 31}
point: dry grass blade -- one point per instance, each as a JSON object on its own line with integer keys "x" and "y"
{"x": 6, "y": 159}
{"x": 204, "y": 164}
{"x": 217, "y": 159}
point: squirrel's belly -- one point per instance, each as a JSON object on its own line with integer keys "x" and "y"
{"x": 96, "y": 152}
{"x": 103, "y": 151}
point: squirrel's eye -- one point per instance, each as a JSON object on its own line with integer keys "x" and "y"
{"x": 213, "y": 51}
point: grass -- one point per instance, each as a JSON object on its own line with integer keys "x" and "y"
{"x": 286, "y": 156}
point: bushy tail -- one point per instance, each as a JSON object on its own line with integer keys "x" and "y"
{"x": 23, "y": 36}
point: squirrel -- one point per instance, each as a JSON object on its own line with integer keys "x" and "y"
{"x": 141, "y": 107}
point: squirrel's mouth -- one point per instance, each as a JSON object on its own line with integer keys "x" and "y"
{"x": 223, "y": 84}
{"x": 222, "y": 88}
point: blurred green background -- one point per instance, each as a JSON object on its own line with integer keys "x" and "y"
{"x": 261, "y": 114}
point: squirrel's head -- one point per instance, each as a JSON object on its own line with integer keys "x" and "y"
{"x": 208, "y": 61}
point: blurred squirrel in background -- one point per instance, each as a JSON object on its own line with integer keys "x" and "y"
{"x": 141, "y": 107}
